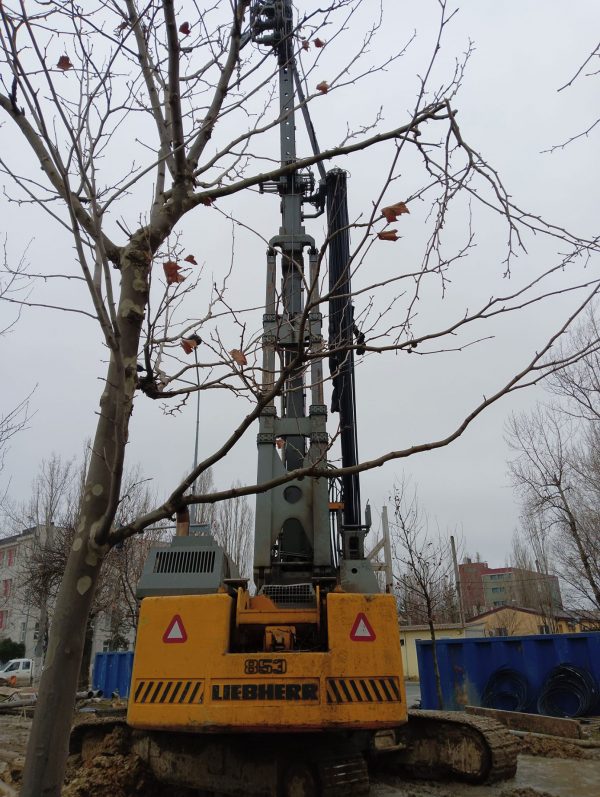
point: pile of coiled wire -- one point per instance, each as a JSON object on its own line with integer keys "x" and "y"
{"x": 506, "y": 689}
{"x": 568, "y": 691}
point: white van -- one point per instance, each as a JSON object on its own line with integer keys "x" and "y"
{"x": 17, "y": 672}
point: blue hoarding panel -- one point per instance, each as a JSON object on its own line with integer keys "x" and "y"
{"x": 556, "y": 674}
{"x": 112, "y": 672}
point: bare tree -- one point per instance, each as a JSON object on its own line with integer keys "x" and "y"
{"x": 233, "y": 528}
{"x": 505, "y": 623}
{"x": 557, "y": 467}
{"x": 424, "y": 562}
{"x": 549, "y": 470}
{"x": 533, "y": 586}
{"x": 53, "y": 511}
{"x": 204, "y": 485}
{"x": 194, "y": 104}
{"x": 51, "y": 494}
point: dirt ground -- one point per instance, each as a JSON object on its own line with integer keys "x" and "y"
{"x": 547, "y": 768}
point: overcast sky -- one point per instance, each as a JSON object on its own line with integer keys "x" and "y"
{"x": 509, "y": 110}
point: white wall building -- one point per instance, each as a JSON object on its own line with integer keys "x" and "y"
{"x": 19, "y": 618}
{"x": 18, "y": 621}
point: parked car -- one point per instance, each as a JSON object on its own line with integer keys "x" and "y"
{"x": 17, "y": 672}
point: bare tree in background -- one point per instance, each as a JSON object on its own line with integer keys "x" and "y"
{"x": 556, "y": 472}
{"x": 191, "y": 105}
{"x": 204, "y": 485}
{"x": 233, "y": 528}
{"x": 52, "y": 490}
{"x": 122, "y": 570}
{"x": 424, "y": 570}
{"x": 53, "y": 512}
{"x": 532, "y": 580}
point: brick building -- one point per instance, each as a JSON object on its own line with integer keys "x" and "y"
{"x": 484, "y": 588}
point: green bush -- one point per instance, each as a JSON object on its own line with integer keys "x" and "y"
{"x": 11, "y": 650}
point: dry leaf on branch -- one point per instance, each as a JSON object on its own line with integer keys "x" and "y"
{"x": 388, "y": 235}
{"x": 320, "y": 43}
{"x": 185, "y": 28}
{"x": 305, "y": 44}
{"x": 191, "y": 259}
{"x": 172, "y": 274}
{"x": 189, "y": 344}
{"x": 391, "y": 212}
{"x": 323, "y": 87}
{"x": 238, "y": 357}
{"x": 64, "y": 63}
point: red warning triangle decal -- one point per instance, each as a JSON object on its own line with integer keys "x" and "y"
{"x": 362, "y": 631}
{"x": 175, "y": 631}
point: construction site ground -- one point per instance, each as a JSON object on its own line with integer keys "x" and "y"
{"x": 547, "y": 767}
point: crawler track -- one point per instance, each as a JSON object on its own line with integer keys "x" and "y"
{"x": 433, "y": 744}
{"x": 452, "y": 744}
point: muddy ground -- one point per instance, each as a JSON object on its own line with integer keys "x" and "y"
{"x": 547, "y": 768}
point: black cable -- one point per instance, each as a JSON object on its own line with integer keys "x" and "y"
{"x": 507, "y": 690}
{"x": 568, "y": 691}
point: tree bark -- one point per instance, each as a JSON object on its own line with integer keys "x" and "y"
{"x": 47, "y": 750}
{"x": 434, "y": 654}
{"x": 86, "y": 658}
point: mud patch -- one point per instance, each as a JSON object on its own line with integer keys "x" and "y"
{"x": 525, "y": 792}
{"x": 552, "y": 747}
{"x": 110, "y": 770}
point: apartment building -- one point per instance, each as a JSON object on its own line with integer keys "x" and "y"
{"x": 19, "y": 616}
{"x": 17, "y": 620}
{"x": 484, "y": 588}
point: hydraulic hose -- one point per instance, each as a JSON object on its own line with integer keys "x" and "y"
{"x": 506, "y": 689}
{"x": 568, "y": 691}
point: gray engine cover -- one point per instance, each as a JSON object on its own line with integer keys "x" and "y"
{"x": 185, "y": 566}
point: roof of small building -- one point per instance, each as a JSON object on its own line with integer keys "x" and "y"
{"x": 11, "y": 539}
{"x": 437, "y": 627}
{"x": 558, "y": 614}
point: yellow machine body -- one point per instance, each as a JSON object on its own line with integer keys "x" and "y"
{"x": 186, "y": 677}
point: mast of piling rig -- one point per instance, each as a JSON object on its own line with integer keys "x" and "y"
{"x": 292, "y": 539}
{"x": 294, "y": 542}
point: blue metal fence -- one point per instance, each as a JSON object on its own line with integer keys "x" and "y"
{"x": 112, "y": 672}
{"x": 556, "y": 674}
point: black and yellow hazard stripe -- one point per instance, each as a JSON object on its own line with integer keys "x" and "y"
{"x": 171, "y": 691}
{"x": 363, "y": 690}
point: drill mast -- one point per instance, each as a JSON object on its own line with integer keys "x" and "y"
{"x": 294, "y": 543}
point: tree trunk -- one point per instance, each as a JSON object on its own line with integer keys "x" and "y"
{"x": 86, "y": 659}
{"x": 436, "y": 666}
{"x": 39, "y": 651}
{"x": 47, "y": 750}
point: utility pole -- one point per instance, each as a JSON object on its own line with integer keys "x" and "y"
{"x": 461, "y": 613}
{"x": 387, "y": 551}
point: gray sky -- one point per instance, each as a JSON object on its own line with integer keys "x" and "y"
{"x": 509, "y": 110}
